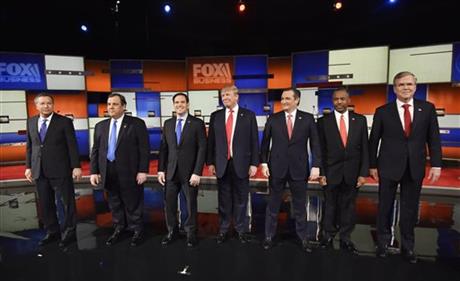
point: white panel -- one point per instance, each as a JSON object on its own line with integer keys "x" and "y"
{"x": 130, "y": 102}
{"x": 15, "y": 110}
{"x": 370, "y": 120}
{"x": 14, "y": 126}
{"x": 206, "y": 101}
{"x": 366, "y": 65}
{"x": 152, "y": 122}
{"x": 94, "y": 120}
{"x": 449, "y": 121}
{"x": 309, "y": 100}
{"x": 431, "y": 64}
{"x": 80, "y": 124}
{"x": 91, "y": 139}
{"x": 261, "y": 120}
{"x": 166, "y": 105}
{"x": 10, "y": 96}
{"x": 62, "y": 81}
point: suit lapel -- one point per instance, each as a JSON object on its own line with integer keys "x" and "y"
{"x": 124, "y": 127}
{"x": 283, "y": 124}
{"x": 395, "y": 115}
{"x": 105, "y": 132}
{"x": 236, "y": 118}
{"x": 351, "y": 126}
{"x": 34, "y": 127}
{"x": 297, "y": 123}
{"x": 336, "y": 131}
{"x": 51, "y": 125}
{"x": 417, "y": 114}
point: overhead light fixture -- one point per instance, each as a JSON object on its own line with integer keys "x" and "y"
{"x": 337, "y": 5}
{"x": 241, "y": 6}
{"x": 167, "y": 8}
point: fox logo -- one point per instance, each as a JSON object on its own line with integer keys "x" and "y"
{"x": 19, "y": 72}
{"x": 212, "y": 73}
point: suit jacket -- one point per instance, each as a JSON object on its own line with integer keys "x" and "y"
{"x": 290, "y": 155}
{"x": 58, "y": 154}
{"x": 245, "y": 142}
{"x": 189, "y": 155}
{"x": 396, "y": 150}
{"x": 339, "y": 162}
{"x": 131, "y": 154}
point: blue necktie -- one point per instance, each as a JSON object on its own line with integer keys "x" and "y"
{"x": 112, "y": 143}
{"x": 178, "y": 130}
{"x": 43, "y": 129}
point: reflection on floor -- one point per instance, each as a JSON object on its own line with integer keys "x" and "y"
{"x": 437, "y": 244}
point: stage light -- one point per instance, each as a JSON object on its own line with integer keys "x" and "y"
{"x": 167, "y": 8}
{"x": 241, "y": 6}
{"x": 337, "y": 5}
{"x": 84, "y": 28}
{"x": 392, "y": 1}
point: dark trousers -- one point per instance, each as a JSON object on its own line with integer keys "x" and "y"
{"x": 125, "y": 202}
{"x": 233, "y": 200}
{"x": 172, "y": 190}
{"x": 50, "y": 191}
{"x": 339, "y": 210}
{"x": 409, "y": 206}
{"x": 299, "y": 198}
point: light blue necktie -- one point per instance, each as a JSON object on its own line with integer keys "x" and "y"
{"x": 43, "y": 129}
{"x": 178, "y": 130}
{"x": 112, "y": 143}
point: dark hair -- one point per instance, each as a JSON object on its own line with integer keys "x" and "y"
{"x": 43, "y": 95}
{"x": 341, "y": 88}
{"x": 180, "y": 94}
{"x": 295, "y": 91}
{"x": 122, "y": 98}
{"x": 404, "y": 74}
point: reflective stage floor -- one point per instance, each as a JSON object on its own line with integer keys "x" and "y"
{"x": 437, "y": 244}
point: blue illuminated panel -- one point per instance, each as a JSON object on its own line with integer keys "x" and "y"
{"x": 22, "y": 72}
{"x": 310, "y": 67}
{"x": 456, "y": 63}
{"x": 450, "y": 137}
{"x": 325, "y": 100}
{"x": 155, "y": 138}
{"x": 83, "y": 142}
{"x": 11, "y": 138}
{"x": 251, "y": 72}
{"x": 148, "y": 101}
{"x": 126, "y": 74}
{"x": 253, "y": 102}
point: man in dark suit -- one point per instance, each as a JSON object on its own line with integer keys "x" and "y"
{"x": 52, "y": 160}
{"x": 232, "y": 156}
{"x": 120, "y": 163}
{"x": 345, "y": 154}
{"x": 288, "y": 133}
{"x": 180, "y": 165}
{"x": 403, "y": 129}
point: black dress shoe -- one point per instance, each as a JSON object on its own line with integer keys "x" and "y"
{"x": 191, "y": 241}
{"x": 409, "y": 256}
{"x": 267, "y": 244}
{"x": 113, "y": 238}
{"x": 169, "y": 238}
{"x": 327, "y": 243}
{"x": 68, "y": 238}
{"x": 306, "y": 246}
{"x": 349, "y": 247}
{"x": 137, "y": 238}
{"x": 49, "y": 237}
{"x": 244, "y": 238}
{"x": 381, "y": 252}
{"x": 221, "y": 238}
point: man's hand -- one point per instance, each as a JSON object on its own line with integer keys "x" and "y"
{"x": 252, "y": 171}
{"x": 374, "y": 174}
{"x": 162, "y": 178}
{"x": 95, "y": 179}
{"x": 361, "y": 182}
{"x": 141, "y": 178}
{"x": 314, "y": 174}
{"x": 28, "y": 174}
{"x": 76, "y": 174}
{"x": 434, "y": 174}
{"x": 265, "y": 170}
{"x": 212, "y": 170}
{"x": 194, "y": 180}
{"x": 322, "y": 181}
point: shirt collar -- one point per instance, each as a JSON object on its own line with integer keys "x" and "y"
{"x": 182, "y": 117}
{"x": 235, "y": 109}
{"x": 293, "y": 113}
{"x": 338, "y": 114}
{"x": 47, "y": 118}
{"x": 400, "y": 103}
{"x": 120, "y": 119}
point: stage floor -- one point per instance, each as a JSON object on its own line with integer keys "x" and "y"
{"x": 437, "y": 244}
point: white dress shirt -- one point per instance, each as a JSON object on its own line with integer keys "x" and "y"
{"x": 401, "y": 110}
{"x": 119, "y": 122}
{"x": 345, "y": 118}
{"x": 41, "y": 120}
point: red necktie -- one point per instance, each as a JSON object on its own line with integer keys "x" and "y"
{"x": 343, "y": 131}
{"x": 229, "y": 128}
{"x": 289, "y": 125}
{"x": 407, "y": 120}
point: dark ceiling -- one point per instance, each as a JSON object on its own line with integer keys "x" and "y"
{"x": 214, "y": 27}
